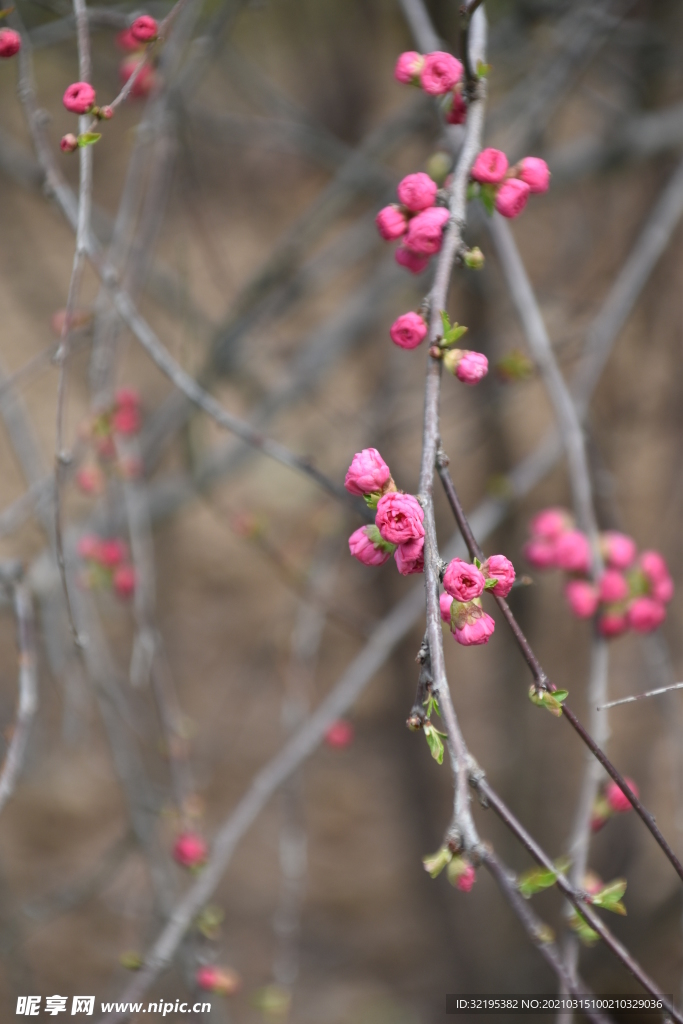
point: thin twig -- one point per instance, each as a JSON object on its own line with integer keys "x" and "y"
{"x": 641, "y": 696}
{"x": 28, "y": 680}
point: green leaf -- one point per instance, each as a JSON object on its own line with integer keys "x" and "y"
{"x": 538, "y": 879}
{"x": 456, "y": 332}
{"x": 580, "y": 925}
{"x": 88, "y": 138}
{"x": 477, "y": 562}
{"x": 609, "y": 898}
{"x": 560, "y": 695}
{"x": 483, "y": 70}
{"x": 434, "y": 742}
{"x": 430, "y": 704}
{"x": 490, "y": 583}
{"x": 552, "y": 702}
{"x": 487, "y": 194}
{"x": 434, "y": 863}
{"x": 445, "y": 322}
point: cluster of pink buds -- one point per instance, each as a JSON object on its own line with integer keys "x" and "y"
{"x": 223, "y": 981}
{"x": 439, "y": 74}
{"x": 611, "y": 801}
{"x": 10, "y": 43}
{"x": 507, "y": 188}
{"x": 190, "y": 850}
{"x": 123, "y": 418}
{"x": 416, "y": 220}
{"x": 631, "y": 593}
{"x": 398, "y": 528}
{"x": 464, "y": 583}
{"x": 134, "y": 41}
{"x": 108, "y": 565}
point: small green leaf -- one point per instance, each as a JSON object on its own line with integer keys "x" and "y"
{"x": 580, "y": 925}
{"x": 514, "y": 366}
{"x": 454, "y": 334}
{"x": 434, "y": 863}
{"x": 88, "y": 138}
{"x": 445, "y": 322}
{"x": 552, "y": 702}
{"x": 609, "y": 898}
{"x": 487, "y": 194}
{"x": 434, "y": 742}
{"x": 538, "y": 879}
{"x": 490, "y": 583}
{"x": 483, "y": 70}
{"x": 477, "y": 562}
{"x": 560, "y": 695}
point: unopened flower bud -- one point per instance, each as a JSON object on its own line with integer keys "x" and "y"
{"x": 106, "y": 113}
{"x": 439, "y": 166}
{"x": 10, "y": 42}
{"x": 512, "y": 197}
{"x": 68, "y": 143}
{"x": 461, "y": 874}
{"x": 469, "y": 367}
{"x": 473, "y": 258}
{"x": 144, "y": 29}
{"x": 616, "y": 797}
{"x": 339, "y": 735}
{"x": 189, "y": 850}
{"x": 221, "y": 980}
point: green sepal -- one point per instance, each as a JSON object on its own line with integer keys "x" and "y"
{"x": 433, "y": 737}
{"x": 490, "y": 583}
{"x": 434, "y": 863}
{"x": 376, "y": 538}
{"x": 609, "y": 898}
{"x": 538, "y": 879}
{"x": 487, "y": 194}
{"x": 88, "y": 138}
{"x": 477, "y": 562}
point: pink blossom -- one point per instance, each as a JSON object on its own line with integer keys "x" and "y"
{"x": 126, "y": 420}
{"x": 391, "y": 222}
{"x": 127, "y": 397}
{"x": 412, "y": 261}
{"x": 10, "y": 42}
{"x": 124, "y": 581}
{"x": 79, "y": 97}
{"x": 445, "y": 602}
{"x": 408, "y": 331}
{"x": 457, "y": 112}
{"x": 88, "y": 547}
{"x": 490, "y": 167}
{"x": 409, "y": 557}
{"x": 472, "y": 367}
{"x": 645, "y": 614}
{"x": 541, "y": 553}
{"x": 127, "y": 41}
{"x": 511, "y": 197}
{"x": 463, "y": 581}
{"x": 399, "y": 517}
{"x": 367, "y": 474}
{"x": 144, "y": 82}
{"x": 221, "y": 980}
{"x": 613, "y": 587}
{"x": 535, "y": 173}
{"x": 189, "y": 850}
{"x": 612, "y": 623}
{"x": 475, "y": 632}
{"x": 663, "y": 590}
{"x": 550, "y": 524}
{"x": 144, "y": 29}
{"x": 68, "y": 143}
{"x": 365, "y": 550}
{"x": 90, "y": 479}
{"x": 112, "y": 552}
{"x": 440, "y": 72}
{"x": 466, "y": 878}
{"x": 616, "y": 797}
{"x": 425, "y": 230}
{"x": 339, "y": 735}
{"x": 417, "y": 192}
{"x": 500, "y": 568}
{"x": 582, "y": 597}
{"x": 653, "y": 565}
{"x": 572, "y": 551}
{"x": 618, "y": 549}
{"x": 408, "y": 67}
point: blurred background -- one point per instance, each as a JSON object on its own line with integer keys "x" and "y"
{"x": 251, "y": 171}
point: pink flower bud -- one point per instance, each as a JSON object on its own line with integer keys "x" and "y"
{"x": 618, "y": 549}
{"x": 541, "y": 553}
{"x": 339, "y": 735}
{"x": 126, "y": 41}
{"x": 144, "y": 29}
{"x": 408, "y": 67}
{"x": 582, "y": 598}
{"x": 367, "y": 474}
{"x": 399, "y": 518}
{"x": 391, "y": 222}
{"x": 476, "y": 628}
{"x": 617, "y": 799}
{"x": 112, "y": 552}
{"x": 440, "y": 72}
{"x": 417, "y": 192}
{"x": 408, "y": 331}
{"x": 127, "y": 397}
{"x": 126, "y": 420}
{"x": 68, "y": 143}
{"x": 499, "y": 568}
{"x": 88, "y": 547}
{"x": 550, "y": 524}
{"x": 106, "y": 113}
{"x": 469, "y": 367}
{"x": 511, "y": 197}
{"x": 124, "y": 581}
{"x": 535, "y": 173}
{"x": 189, "y": 850}
{"x": 463, "y": 581}
{"x": 613, "y": 587}
{"x": 221, "y": 980}
{"x": 457, "y": 112}
{"x": 425, "y": 231}
{"x": 645, "y": 614}
{"x": 663, "y": 590}
{"x": 79, "y": 97}
{"x": 412, "y": 261}
{"x": 490, "y": 167}
{"x": 362, "y": 547}
{"x": 466, "y": 878}
{"x": 10, "y": 42}
{"x": 572, "y": 551}
{"x": 90, "y": 479}
{"x": 145, "y": 81}
{"x": 409, "y": 557}
{"x": 653, "y": 565}
{"x": 445, "y": 602}
{"x": 612, "y": 623}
